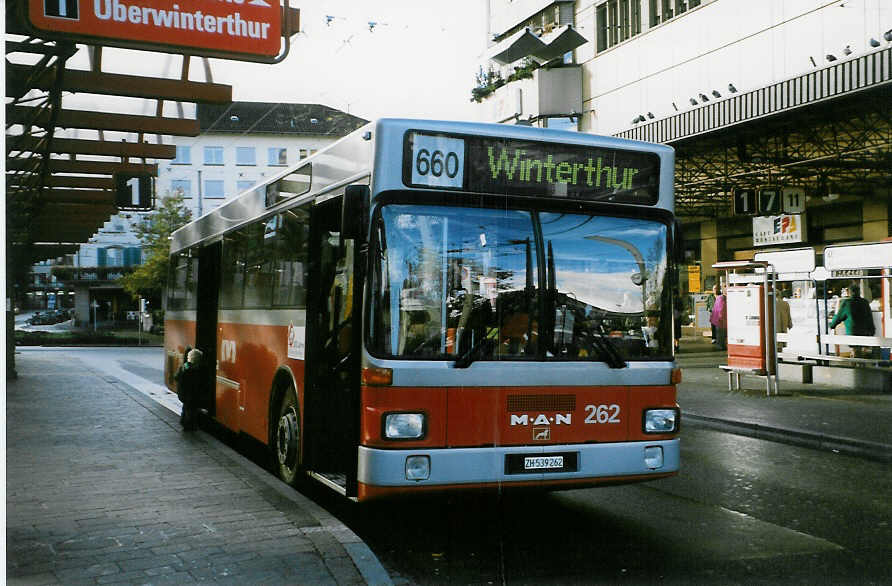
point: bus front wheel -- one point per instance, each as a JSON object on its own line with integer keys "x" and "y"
{"x": 288, "y": 437}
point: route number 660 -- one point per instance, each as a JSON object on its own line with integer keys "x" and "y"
{"x": 437, "y": 161}
{"x": 602, "y": 413}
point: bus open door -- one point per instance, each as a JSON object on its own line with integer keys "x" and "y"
{"x": 333, "y": 337}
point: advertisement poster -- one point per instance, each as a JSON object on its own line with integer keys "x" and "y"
{"x": 744, "y": 324}
{"x": 783, "y": 229}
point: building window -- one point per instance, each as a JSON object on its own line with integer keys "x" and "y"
{"x": 181, "y": 187}
{"x": 277, "y": 156}
{"x": 245, "y": 156}
{"x": 304, "y": 153}
{"x": 213, "y": 188}
{"x": 213, "y": 155}
{"x": 617, "y": 21}
{"x": 244, "y": 185}
{"x": 184, "y": 156}
{"x": 663, "y": 10}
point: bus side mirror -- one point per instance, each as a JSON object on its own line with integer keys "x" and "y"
{"x": 354, "y": 211}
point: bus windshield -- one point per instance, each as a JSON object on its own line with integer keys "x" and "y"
{"x": 453, "y": 283}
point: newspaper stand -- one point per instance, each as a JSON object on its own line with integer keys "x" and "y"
{"x": 751, "y": 317}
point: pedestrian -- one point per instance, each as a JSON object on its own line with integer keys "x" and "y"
{"x": 854, "y": 311}
{"x": 677, "y": 316}
{"x": 710, "y": 303}
{"x": 784, "y": 320}
{"x": 190, "y": 380}
{"x": 719, "y": 319}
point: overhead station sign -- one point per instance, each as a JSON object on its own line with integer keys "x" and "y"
{"x": 247, "y": 29}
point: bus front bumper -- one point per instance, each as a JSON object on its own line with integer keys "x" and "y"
{"x": 517, "y": 464}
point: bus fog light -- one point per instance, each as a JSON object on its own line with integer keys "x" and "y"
{"x": 418, "y": 467}
{"x": 653, "y": 457}
{"x": 660, "y": 420}
{"x": 404, "y": 425}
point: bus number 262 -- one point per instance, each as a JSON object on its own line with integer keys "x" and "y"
{"x": 602, "y": 413}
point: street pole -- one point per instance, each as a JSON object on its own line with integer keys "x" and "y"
{"x": 94, "y": 305}
{"x": 142, "y": 306}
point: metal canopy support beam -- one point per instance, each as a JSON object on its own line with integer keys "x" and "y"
{"x": 846, "y": 142}
{"x": 85, "y": 167}
{"x": 85, "y": 181}
{"x": 31, "y": 116}
{"x": 76, "y": 146}
{"x": 93, "y": 196}
{"x": 95, "y": 82}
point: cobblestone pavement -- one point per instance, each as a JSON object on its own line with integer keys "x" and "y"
{"x": 104, "y": 488}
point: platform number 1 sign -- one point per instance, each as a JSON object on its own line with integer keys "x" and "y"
{"x": 745, "y": 202}
{"x": 61, "y": 8}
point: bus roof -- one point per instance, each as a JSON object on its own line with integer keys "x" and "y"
{"x": 390, "y": 153}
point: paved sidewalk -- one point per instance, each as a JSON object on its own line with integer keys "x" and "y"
{"x": 104, "y": 488}
{"x": 817, "y": 416}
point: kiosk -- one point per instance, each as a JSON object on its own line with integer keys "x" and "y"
{"x": 751, "y": 317}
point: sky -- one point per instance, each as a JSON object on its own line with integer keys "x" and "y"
{"x": 417, "y": 60}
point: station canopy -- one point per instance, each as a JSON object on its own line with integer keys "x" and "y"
{"x": 82, "y": 141}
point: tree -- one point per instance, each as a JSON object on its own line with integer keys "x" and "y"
{"x": 150, "y": 278}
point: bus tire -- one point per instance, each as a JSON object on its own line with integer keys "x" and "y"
{"x": 287, "y": 437}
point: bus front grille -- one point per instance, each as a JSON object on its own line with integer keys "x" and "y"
{"x": 525, "y": 403}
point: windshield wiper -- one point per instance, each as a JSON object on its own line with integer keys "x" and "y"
{"x": 613, "y": 358}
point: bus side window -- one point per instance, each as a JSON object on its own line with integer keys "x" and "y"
{"x": 292, "y": 254}
{"x": 232, "y": 273}
{"x": 258, "y": 267}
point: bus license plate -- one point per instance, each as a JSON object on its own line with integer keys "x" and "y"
{"x": 543, "y": 463}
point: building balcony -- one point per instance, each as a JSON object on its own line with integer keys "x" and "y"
{"x": 551, "y": 92}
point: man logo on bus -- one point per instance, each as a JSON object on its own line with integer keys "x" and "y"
{"x": 542, "y": 419}
{"x": 541, "y": 434}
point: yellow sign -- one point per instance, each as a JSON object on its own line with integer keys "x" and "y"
{"x": 694, "y": 278}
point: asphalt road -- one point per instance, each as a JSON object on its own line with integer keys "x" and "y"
{"x": 742, "y": 511}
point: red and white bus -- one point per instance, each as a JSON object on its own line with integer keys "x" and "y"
{"x": 443, "y": 305}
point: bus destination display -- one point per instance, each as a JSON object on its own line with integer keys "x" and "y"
{"x": 521, "y": 167}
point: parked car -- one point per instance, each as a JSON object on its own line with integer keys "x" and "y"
{"x": 61, "y": 315}
{"x": 39, "y": 318}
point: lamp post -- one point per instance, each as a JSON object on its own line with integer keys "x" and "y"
{"x": 95, "y": 306}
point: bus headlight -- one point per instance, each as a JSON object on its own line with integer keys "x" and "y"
{"x": 418, "y": 467}
{"x": 404, "y": 425}
{"x": 660, "y": 420}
